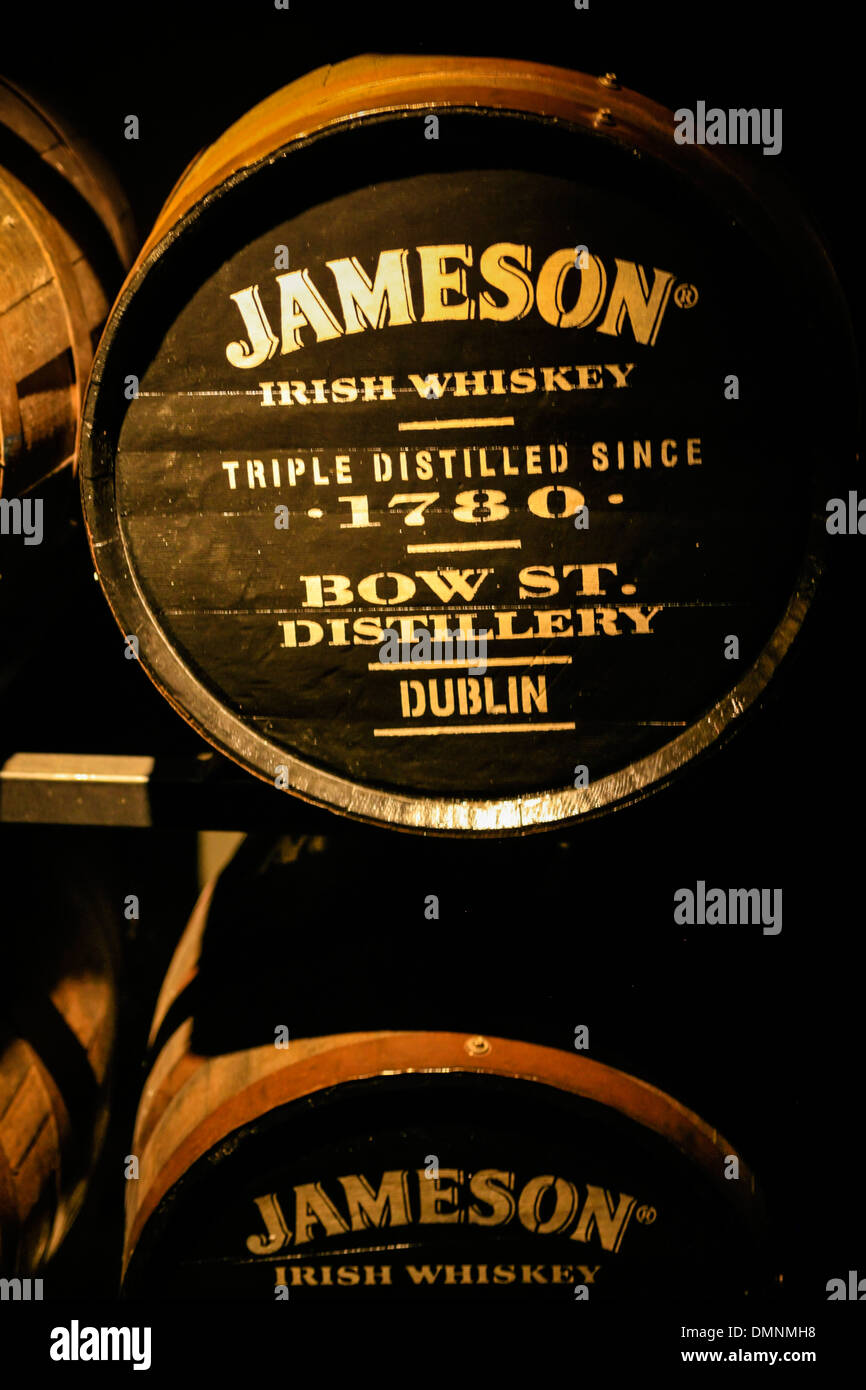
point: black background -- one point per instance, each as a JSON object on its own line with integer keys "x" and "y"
{"x": 763, "y": 1033}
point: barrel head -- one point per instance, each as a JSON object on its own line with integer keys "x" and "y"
{"x": 457, "y": 476}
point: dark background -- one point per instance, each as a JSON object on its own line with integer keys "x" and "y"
{"x": 760, "y": 1035}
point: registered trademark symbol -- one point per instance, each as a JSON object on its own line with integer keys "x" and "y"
{"x": 646, "y": 1215}
{"x": 685, "y": 295}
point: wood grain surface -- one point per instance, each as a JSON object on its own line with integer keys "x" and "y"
{"x": 66, "y": 235}
{"x": 58, "y": 1019}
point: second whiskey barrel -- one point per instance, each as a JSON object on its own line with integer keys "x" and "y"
{"x": 58, "y": 1020}
{"x": 331, "y": 1113}
{"x": 66, "y": 237}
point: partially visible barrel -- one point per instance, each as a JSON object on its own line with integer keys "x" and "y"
{"x": 58, "y": 1017}
{"x": 470, "y": 485}
{"x": 410, "y": 1149}
{"x": 66, "y": 237}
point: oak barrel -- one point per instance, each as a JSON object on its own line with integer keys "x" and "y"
{"x": 330, "y": 1109}
{"x": 469, "y": 485}
{"x": 58, "y": 1018}
{"x": 66, "y": 238}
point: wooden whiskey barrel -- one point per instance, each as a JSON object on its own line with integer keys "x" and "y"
{"x": 469, "y": 485}
{"x": 66, "y": 237}
{"x": 58, "y": 1005}
{"x": 327, "y": 1110}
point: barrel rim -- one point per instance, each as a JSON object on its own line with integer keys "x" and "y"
{"x": 638, "y": 121}
{"x": 358, "y": 1057}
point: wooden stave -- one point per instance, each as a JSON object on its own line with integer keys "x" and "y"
{"x": 61, "y": 148}
{"x": 32, "y": 348}
{"x": 59, "y": 1025}
{"x": 77, "y": 178}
